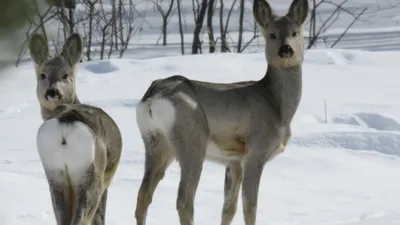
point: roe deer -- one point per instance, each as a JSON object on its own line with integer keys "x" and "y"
{"x": 241, "y": 125}
{"x": 79, "y": 145}
{"x": 55, "y": 75}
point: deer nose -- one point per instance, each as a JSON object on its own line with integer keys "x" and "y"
{"x": 52, "y": 93}
{"x": 285, "y": 51}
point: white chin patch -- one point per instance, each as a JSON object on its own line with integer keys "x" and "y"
{"x": 53, "y": 100}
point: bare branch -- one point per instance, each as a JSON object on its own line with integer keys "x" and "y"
{"x": 342, "y": 35}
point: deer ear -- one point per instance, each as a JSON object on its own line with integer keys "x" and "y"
{"x": 262, "y": 13}
{"x": 38, "y": 48}
{"x": 73, "y": 48}
{"x": 298, "y": 11}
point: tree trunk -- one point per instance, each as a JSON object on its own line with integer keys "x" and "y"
{"x": 241, "y": 16}
{"x": 103, "y": 43}
{"x": 121, "y": 31}
{"x": 210, "y": 14}
{"x": 224, "y": 47}
{"x": 180, "y": 27}
{"x": 164, "y": 30}
{"x": 196, "y": 45}
{"x": 89, "y": 46}
{"x": 71, "y": 20}
{"x": 114, "y": 25}
{"x": 312, "y": 34}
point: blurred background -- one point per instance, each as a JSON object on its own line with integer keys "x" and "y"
{"x": 16, "y": 19}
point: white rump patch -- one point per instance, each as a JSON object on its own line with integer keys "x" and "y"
{"x": 69, "y": 148}
{"x": 155, "y": 115}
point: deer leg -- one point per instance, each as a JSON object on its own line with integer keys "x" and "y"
{"x": 190, "y": 156}
{"x": 88, "y": 195}
{"x": 99, "y": 217}
{"x": 233, "y": 178}
{"x": 260, "y": 151}
{"x": 250, "y": 186}
{"x": 190, "y": 176}
{"x": 61, "y": 203}
{"x": 158, "y": 158}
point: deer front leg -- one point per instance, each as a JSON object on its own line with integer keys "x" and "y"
{"x": 233, "y": 178}
{"x": 251, "y": 182}
{"x": 260, "y": 151}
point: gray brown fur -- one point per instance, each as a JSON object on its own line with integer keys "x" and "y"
{"x": 85, "y": 204}
{"x": 247, "y": 122}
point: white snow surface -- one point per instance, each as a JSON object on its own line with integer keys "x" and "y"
{"x": 341, "y": 172}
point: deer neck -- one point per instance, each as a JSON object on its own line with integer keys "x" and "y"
{"x": 284, "y": 87}
{"x": 50, "y": 113}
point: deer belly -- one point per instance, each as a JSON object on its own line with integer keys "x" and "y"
{"x": 226, "y": 150}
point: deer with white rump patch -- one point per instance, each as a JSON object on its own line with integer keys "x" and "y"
{"x": 79, "y": 145}
{"x": 240, "y": 125}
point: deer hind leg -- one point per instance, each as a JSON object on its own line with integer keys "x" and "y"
{"x": 233, "y": 178}
{"x": 190, "y": 145}
{"x": 61, "y": 201}
{"x": 190, "y": 156}
{"x": 91, "y": 190}
{"x": 88, "y": 196}
{"x": 157, "y": 159}
{"x": 100, "y": 216}
{"x": 184, "y": 125}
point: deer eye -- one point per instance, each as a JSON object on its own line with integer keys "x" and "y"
{"x": 42, "y": 76}
{"x": 65, "y": 76}
{"x": 294, "y": 34}
{"x": 272, "y": 35}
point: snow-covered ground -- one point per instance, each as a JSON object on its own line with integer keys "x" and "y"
{"x": 341, "y": 172}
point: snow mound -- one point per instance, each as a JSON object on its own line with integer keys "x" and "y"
{"x": 369, "y": 120}
{"x": 101, "y": 67}
{"x": 383, "y": 142}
